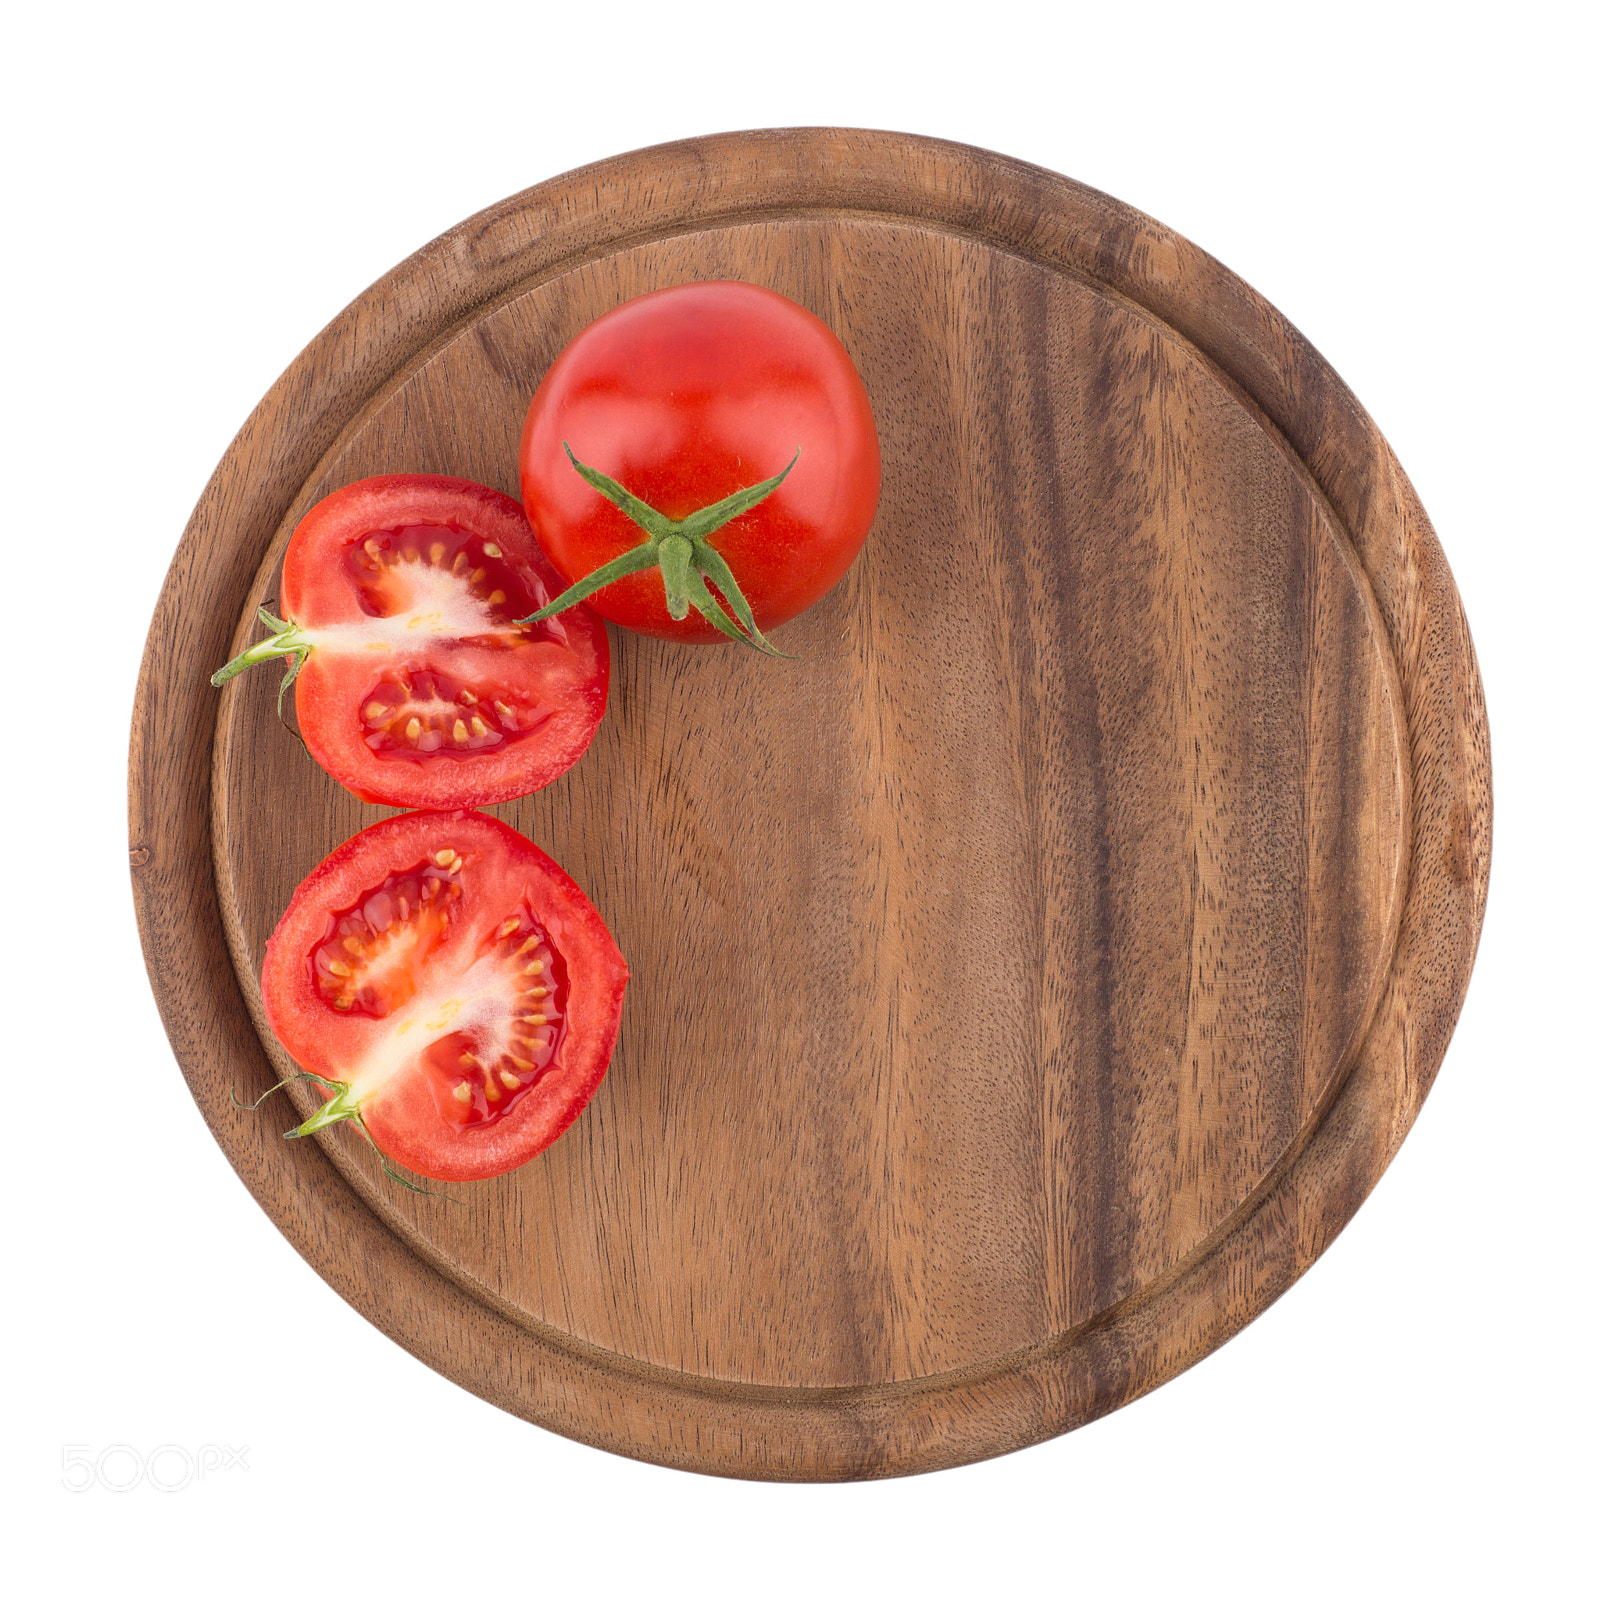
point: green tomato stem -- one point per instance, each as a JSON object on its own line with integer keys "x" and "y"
{"x": 343, "y": 1107}
{"x": 682, "y": 551}
{"x": 286, "y": 642}
{"x": 677, "y": 554}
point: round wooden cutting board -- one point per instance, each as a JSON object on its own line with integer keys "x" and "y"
{"x": 1032, "y": 977}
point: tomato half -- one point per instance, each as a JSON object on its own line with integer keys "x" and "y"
{"x": 454, "y": 987}
{"x": 416, "y": 685}
{"x": 684, "y": 397}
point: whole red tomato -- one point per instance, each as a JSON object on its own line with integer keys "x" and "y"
{"x": 711, "y": 434}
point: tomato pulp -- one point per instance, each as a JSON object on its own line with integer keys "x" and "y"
{"x": 684, "y": 397}
{"x": 416, "y": 685}
{"x": 454, "y": 988}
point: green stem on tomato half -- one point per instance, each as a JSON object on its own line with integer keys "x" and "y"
{"x": 681, "y": 549}
{"x": 343, "y": 1107}
{"x": 285, "y": 641}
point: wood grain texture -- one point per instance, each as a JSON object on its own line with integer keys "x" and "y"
{"x": 1032, "y": 978}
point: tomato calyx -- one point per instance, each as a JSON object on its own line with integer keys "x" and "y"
{"x": 341, "y": 1107}
{"x": 681, "y": 548}
{"x": 285, "y": 642}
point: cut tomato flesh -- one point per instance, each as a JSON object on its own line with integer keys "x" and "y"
{"x": 372, "y": 963}
{"x": 505, "y": 1013}
{"x": 457, "y": 980}
{"x": 420, "y": 688}
{"x": 392, "y": 567}
{"x": 422, "y": 714}
{"x": 483, "y": 1070}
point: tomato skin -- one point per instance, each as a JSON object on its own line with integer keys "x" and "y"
{"x": 500, "y": 873}
{"x": 566, "y": 661}
{"x": 684, "y": 396}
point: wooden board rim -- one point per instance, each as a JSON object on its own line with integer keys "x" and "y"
{"x": 740, "y": 1428}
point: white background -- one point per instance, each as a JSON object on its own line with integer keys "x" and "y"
{"x": 191, "y": 193}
